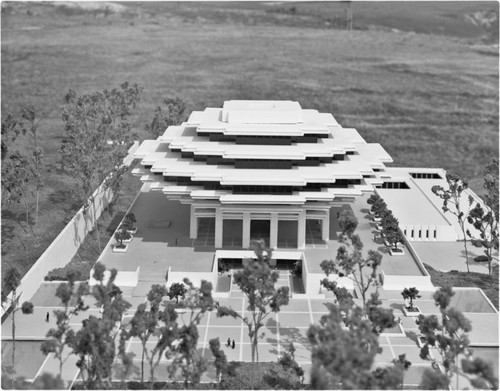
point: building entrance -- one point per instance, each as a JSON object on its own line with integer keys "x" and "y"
{"x": 260, "y": 229}
{"x": 232, "y": 233}
{"x": 287, "y": 234}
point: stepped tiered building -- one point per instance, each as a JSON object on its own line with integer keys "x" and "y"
{"x": 265, "y": 169}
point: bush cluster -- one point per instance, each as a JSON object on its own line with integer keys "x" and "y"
{"x": 80, "y": 270}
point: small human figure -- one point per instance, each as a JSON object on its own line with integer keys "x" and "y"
{"x": 228, "y": 343}
{"x": 47, "y": 317}
{"x": 176, "y": 241}
{"x": 233, "y": 344}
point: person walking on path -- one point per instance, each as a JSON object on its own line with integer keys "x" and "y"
{"x": 233, "y": 344}
{"x": 47, "y": 318}
{"x": 228, "y": 343}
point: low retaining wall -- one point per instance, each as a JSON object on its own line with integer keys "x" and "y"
{"x": 64, "y": 247}
{"x": 398, "y": 282}
{"x": 123, "y": 278}
{"x": 194, "y": 277}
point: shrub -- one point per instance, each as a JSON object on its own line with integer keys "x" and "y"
{"x": 121, "y": 235}
{"x": 129, "y": 221}
{"x": 297, "y": 268}
{"x": 80, "y": 270}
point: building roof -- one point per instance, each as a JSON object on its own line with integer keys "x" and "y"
{"x": 342, "y": 161}
{"x": 419, "y": 206}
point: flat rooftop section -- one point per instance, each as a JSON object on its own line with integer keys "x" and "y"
{"x": 446, "y": 256}
{"x": 162, "y": 239}
{"x": 253, "y": 112}
{"x": 412, "y": 206}
{"x": 471, "y": 300}
{"x": 404, "y": 265}
{"x": 484, "y": 329}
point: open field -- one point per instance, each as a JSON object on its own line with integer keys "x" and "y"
{"x": 430, "y": 100}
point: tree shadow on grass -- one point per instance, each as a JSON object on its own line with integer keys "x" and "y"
{"x": 19, "y": 218}
{"x": 65, "y": 197}
{"x": 7, "y": 232}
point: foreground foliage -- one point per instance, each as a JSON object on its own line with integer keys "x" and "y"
{"x": 258, "y": 282}
{"x": 449, "y": 336}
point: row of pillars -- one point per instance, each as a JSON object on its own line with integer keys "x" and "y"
{"x": 273, "y": 240}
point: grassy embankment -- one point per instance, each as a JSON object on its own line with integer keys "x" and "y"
{"x": 489, "y": 284}
{"x": 430, "y": 100}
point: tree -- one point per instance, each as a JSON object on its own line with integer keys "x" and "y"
{"x": 11, "y": 128}
{"x": 347, "y": 222}
{"x": 177, "y": 289}
{"x": 450, "y": 339}
{"x": 187, "y": 357}
{"x": 258, "y": 283}
{"x": 171, "y": 113}
{"x": 452, "y": 195}
{"x": 220, "y": 360}
{"x": 94, "y": 343}
{"x": 392, "y": 376}
{"x": 20, "y": 181}
{"x": 154, "y": 322}
{"x": 343, "y": 358}
{"x": 97, "y": 137}
{"x": 485, "y": 220}
{"x": 287, "y": 361}
{"x": 351, "y": 263}
{"x": 129, "y": 221}
{"x": 378, "y": 205}
{"x": 11, "y": 282}
{"x": 410, "y": 294}
{"x": 390, "y": 229}
{"x": 28, "y": 113}
{"x": 21, "y": 172}
{"x": 59, "y": 338}
{"x": 121, "y": 235}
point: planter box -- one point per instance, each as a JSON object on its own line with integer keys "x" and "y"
{"x": 127, "y": 240}
{"x": 376, "y": 219}
{"x": 120, "y": 249}
{"x": 181, "y": 310}
{"x": 399, "y": 251}
{"x": 415, "y": 312}
{"x": 132, "y": 231}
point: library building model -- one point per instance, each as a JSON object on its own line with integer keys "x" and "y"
{"x": 266, "y": 169}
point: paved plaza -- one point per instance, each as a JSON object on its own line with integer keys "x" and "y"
{"x": 290, "y": 325}
{"x": 163, "y": 241}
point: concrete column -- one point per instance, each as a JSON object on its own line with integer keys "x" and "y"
{"x": 193, "y": 224}
{"x": 246, "y": 230}
{"x": 218, "y": 227}
{"x": 325, "y": 227}
{"x": 301, "y": 230}
{"x": 273, "y": 240}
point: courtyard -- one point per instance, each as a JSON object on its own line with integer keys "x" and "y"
{"x": 288, "y": 326}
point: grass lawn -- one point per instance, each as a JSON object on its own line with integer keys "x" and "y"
{"x": 430, "y": 100}
{"x": 489, "y": 284}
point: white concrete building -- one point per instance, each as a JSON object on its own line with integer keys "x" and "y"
{"x": 261, "y": 169}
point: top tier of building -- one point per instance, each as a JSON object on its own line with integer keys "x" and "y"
{"x": 271, "y": 152}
